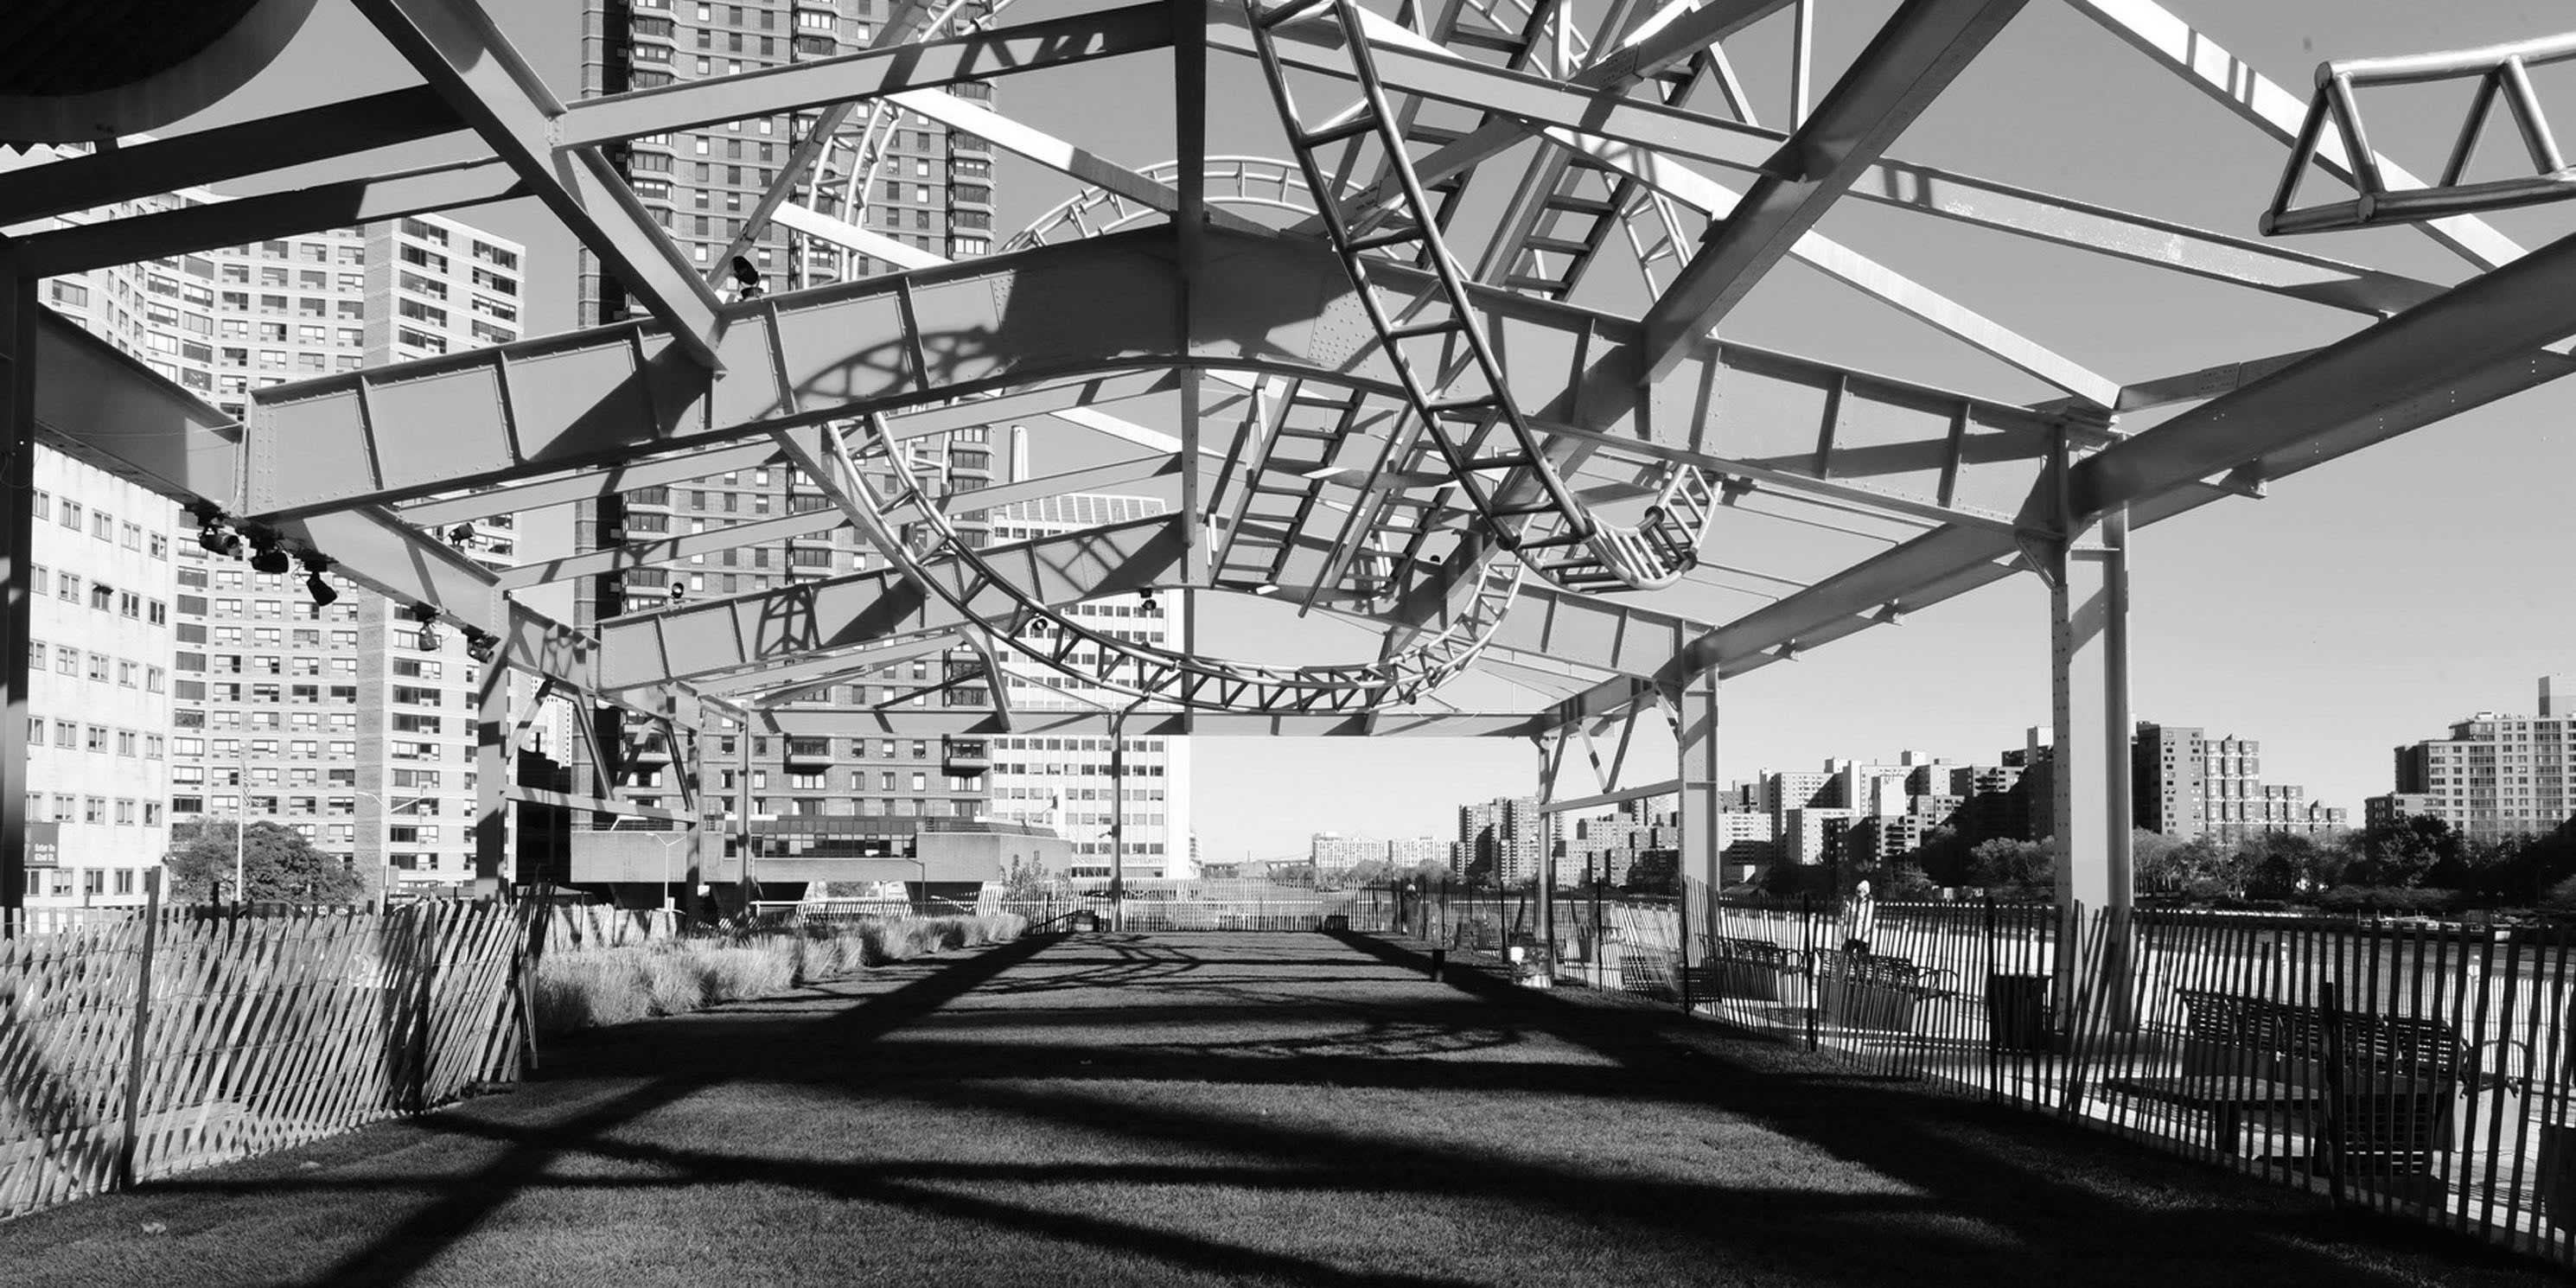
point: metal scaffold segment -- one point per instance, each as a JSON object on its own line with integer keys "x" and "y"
{"x": 2501, "y": 73}
{"x": 911, "y": 528}
{"x": 1446, "y": 363}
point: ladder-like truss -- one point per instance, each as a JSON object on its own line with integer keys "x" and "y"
{"x": 909, "y": 525}
{"x": 1444, "y": 361}
{"x": 2501, "y": 71}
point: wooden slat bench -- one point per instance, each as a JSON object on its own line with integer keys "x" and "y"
{"x": 1742, "y": 969}
{"x": 2385, "y": 1086}
{"x": 1874, "y": 991}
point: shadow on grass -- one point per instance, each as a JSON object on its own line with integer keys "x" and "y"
{"x": 1955, "y": 1168}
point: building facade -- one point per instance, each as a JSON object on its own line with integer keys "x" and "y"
{"x": 1506, "y": 838}
{"x": 330, "y": 719}
{"x": 2186, "y": 784}
{"x": 99, "y": 656}
{"x": 1064, "y": 782}
{"x": 2497, "y": 775}
{"x": 921, "y": 184}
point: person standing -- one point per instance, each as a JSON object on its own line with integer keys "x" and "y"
{"x": 1860, "y": 920}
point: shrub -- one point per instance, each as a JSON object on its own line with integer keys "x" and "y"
{"x": 592, "y": 988}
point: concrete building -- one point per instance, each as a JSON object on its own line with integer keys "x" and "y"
{"x": 99, "y": 655}
{"x": 332, "y": 721}
{"x": 925, "y": 187}
{"x": 2186, "y": 784}
{"x": 1409, "y": 852}
{"x": 2497, "y": 775}
{"x": 1065, "y": 783}
{"x": 1507, "y": 833}
{"x": 1813, "y": 835}
{"x": 1334, "y": 852}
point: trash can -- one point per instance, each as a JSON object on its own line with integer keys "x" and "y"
{"x": 2017, "y": 1011}
{"x": 1086, "y": 922}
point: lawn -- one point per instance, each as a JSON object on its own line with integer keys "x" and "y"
{"x": 1212, "y": 1108}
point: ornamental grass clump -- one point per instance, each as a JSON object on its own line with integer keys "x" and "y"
{"x": 592, "y": 988}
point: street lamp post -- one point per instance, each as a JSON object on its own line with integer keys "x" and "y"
{"x": 385, "y": 891}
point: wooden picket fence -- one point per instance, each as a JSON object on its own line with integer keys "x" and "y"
{"x": 171, "y": 1040}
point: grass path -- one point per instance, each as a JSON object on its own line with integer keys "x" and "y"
{"x": 1254, "y": 1109}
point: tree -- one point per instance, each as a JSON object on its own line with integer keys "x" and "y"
{"x": 2282, "y": 865}
{"x": 1029, "y": 882}
{"x": 1943, "y": 856}
{"x": 2021, "y": 867}
{"x": 1369, "y": 872}
{"x": 2402, "y": 852}
{"x": 278, "y": 863}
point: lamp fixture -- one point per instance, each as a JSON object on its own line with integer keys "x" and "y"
{"x": 267, "y": 556}
{"x": 315, "y": 584}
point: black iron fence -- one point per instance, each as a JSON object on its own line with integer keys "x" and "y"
{"x": 2422, "y": 1070}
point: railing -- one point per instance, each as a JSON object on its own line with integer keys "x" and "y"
{"x": 2421, "y": 1071}
{"x": 159, "y": 1042}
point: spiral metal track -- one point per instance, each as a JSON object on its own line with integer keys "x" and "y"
{"x": 1445, "y": 362}
{"x": 908, "y": 525}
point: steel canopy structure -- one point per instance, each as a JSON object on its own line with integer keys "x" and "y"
{"x": 1416, "y": 388}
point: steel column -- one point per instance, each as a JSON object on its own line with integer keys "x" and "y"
{"x": 1694, "y": 716}
{"x": 2089, "y": 766}
{"x": 18, "y": 318}
{"x": 493, "y": 775}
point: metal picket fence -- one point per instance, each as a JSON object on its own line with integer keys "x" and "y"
{"x": 2424, "y": 1071}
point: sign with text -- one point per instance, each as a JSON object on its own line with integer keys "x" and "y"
{"x": 44, "y": 845}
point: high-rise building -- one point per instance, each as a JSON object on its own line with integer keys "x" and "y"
{"x": 98, "y": 678}
{"x": 1064, "y": 782}
{"x": 333, "y": 720}
{"x": 1334, "y": 852}
{"x": 903, "y": 176}
{"x": 2185, "y": 784}
{"x": 1507, "y": 834}
{"x": 2497, "y": 775}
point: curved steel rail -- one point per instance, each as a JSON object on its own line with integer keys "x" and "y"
{"x": 1470, "y": 400}
{"x": 1140, "y": 670}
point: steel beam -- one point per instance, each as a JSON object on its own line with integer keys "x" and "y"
{"x": 1964, "y": 198}
{"x": 2153, "y": 30}
{"x": 588, "y": 484}
{"x": 1411, "y": 68}
{"x": 79, "y": 248}
{"x": 977, "y": 55}
{"x": 203, "y": 157}
{"x": 1042, "y": 317}
{"x": 847, "y": 722}
{"x": 785, "y": 527}
{"x": 1911, "y": 60}
{"x": 455, "y": 45}
{"x": 781, "y": 625}
{"x": 2381, "y": 382}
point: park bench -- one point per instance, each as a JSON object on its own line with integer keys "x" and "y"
{"x": 1874, "y": 991}
{"x": 1745, "y": 969}
{"x": 2377, "y": 1092}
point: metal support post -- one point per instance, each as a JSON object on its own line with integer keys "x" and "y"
{"x": 1694, "y": 711}
{"x": 2089, "y": 770}
{"x": 18, "y": 320}
{"x": 492, "y": 774}
{"x": 1547, "y": 849}
{"x": 1118, "y": 819}
{"x": 745, "y": 839}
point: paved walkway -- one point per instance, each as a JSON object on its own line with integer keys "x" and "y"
{"x": 1210, "y": 1108}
